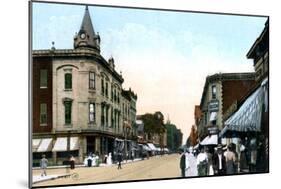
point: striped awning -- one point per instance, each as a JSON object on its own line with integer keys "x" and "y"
{"x": 35, "y": 144}
{"x": 152, "y": 147}
{"x": 61, "y": 144}
{"x": 45, "y": 145}
{"x": 248, "y": 116}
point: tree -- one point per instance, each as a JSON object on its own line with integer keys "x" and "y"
{"x": 153, "y": 123}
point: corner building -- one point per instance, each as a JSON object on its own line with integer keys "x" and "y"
{"x": 76, "y": 99}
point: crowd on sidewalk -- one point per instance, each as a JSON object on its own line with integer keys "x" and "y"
{"x": 213, "y": 161}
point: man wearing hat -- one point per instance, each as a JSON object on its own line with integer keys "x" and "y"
{"x": 219, "y": 162}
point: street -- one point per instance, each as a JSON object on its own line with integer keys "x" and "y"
{"x": 166, "y": 166}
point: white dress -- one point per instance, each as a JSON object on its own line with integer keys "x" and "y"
{"x": 191, "y": 167}
{"x": 109, "y": 159}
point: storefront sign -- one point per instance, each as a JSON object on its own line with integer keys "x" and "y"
{"x": 213, "y": 130}
{"x": 213, "y": 106}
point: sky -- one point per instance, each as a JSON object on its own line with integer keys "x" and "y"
{"x": 164, "y": 56}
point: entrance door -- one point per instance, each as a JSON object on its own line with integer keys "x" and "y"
{"x": 90, "y": 145}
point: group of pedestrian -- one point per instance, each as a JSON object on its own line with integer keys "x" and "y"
{"x": 188, "y": 164}
{"x": 92, "y": 159}
{"x": 206, "y": 163}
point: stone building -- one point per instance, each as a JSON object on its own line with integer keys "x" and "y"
{"x": 220, "y": 91}
{"x": 77, "y": 99}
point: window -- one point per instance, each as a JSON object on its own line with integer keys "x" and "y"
{"x": 214, "y": 92}
{"x": 68, "y": 81}
{"x": 111, "y": 92}
{"x": 67, "y": 112}
{"x": 92, "y": 80}
{"x": 102, "y": 86}
{"x": 106, "y": 115}
{"x": 43, "y": 78}
{"x": 112, "y": 118}
{"x": 43, "y": 114}
{"x": 102, "y": 115}
{"x": 106, "y": 89}
{"x": 92, "y": 113}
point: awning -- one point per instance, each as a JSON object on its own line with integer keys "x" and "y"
{"x": 248, "y": 116}
{"x": 35, "y": 144}
{"x": 152, "y": 147}
{"x": 61, "y": 144}
{"x": 119, "y": 140}
{"x": 45, "y": 145}
{"x": 210, "y": 140}
{"x": 213, "y": 116}
{"x": 145, "y": 147}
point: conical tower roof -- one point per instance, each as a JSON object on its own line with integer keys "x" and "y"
{"x": 86, "y": 35}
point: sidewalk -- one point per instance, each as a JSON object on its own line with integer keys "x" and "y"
{"x": 81, "y": 165}
{"x": 39, "y": 178}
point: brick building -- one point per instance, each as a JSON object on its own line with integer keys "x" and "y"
{"x": 220, "y": 91}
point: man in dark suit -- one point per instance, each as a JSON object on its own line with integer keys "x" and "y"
{"x": 182, "y": 163}
{"x": 219, "y": 163}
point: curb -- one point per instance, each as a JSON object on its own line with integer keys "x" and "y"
{"x": 52, "y": 178}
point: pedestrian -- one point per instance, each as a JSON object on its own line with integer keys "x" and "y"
{"x": 202, "y": 163}
{"x": 72, "y": 162}
{"x": 109, "y": 159}
{"x": 230, "y": 159}
{"x": 243, "y": 160}
{"x": 210, "y": 170}
{"x": 182, "y": 163}
{"x": 119, "y": 159}
{"x": 253, "y": 154}
{"x": 219, "y": 163}
{"x": 43, "y": 165}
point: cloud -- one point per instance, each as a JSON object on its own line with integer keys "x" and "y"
{"x": 168, "y": 71}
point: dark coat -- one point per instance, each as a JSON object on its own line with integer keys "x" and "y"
{"x": 119, "y": 157}
{"x": 182, "y": 161}
{"x": 216, "y": 162}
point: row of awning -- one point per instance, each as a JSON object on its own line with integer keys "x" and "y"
{"x": 46, "y": 144}
{"x": 151, "y": 147}
{"x": 248, "y": 117}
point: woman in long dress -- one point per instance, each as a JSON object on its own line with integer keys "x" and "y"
{"x": 109, "y": 159}
{"x": 230, "y": 159}
{"x": 191, "y": 167}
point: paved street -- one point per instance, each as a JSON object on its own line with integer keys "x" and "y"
{"x": 166, "y": 166}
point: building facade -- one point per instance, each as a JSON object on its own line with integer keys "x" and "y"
{"x": 77, "y": 99}
{"x": 220, "y": 91}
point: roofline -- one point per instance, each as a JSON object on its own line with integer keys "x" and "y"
{"x": 225, "y": 77}
{"x": 83, "y": 53}
{"x": 258, "y": 40}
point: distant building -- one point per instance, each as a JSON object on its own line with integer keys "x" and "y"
{"x": 155, "y": 134}
{"x": 220, "y": 92}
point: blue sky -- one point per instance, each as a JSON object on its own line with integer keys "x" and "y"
{"x": 164, "y": 56}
